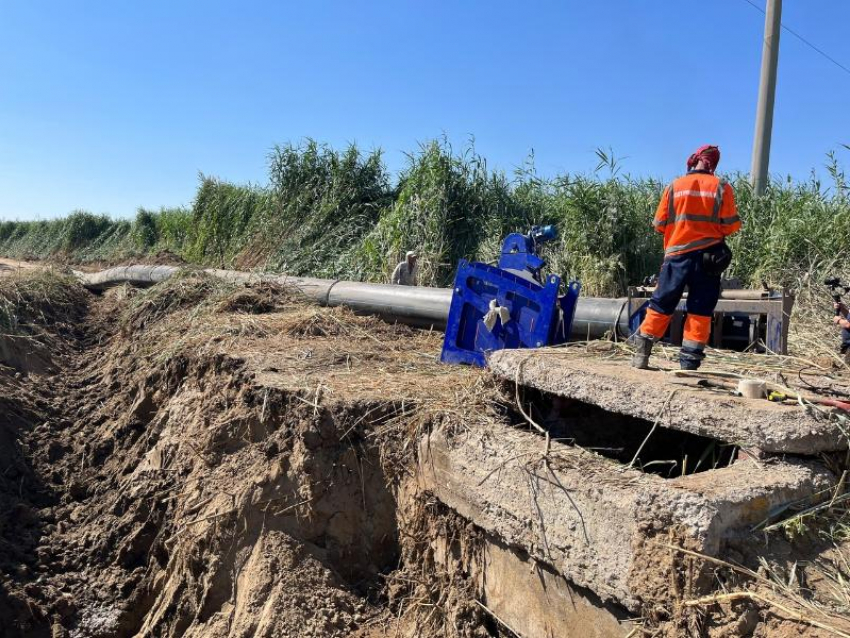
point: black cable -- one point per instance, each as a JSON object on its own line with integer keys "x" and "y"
{"x": 818, "y": 389}
{"x": 804, "y": 41}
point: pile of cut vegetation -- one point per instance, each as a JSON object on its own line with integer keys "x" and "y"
{"x": 38, "y": 310}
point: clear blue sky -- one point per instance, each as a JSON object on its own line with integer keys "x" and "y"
{"x": 107, "y": 106}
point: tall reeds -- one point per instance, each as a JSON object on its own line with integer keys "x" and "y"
{"x": 337, "y": 213}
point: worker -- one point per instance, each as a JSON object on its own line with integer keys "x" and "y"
{"x": 696, "y": 213}
{"x": 406, "y": 273}
{"x": 842, "y": 320}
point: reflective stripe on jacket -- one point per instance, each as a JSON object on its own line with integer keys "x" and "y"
{"x": 696, "y": 211}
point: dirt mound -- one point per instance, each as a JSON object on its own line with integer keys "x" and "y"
{"x": 186, "y": 289}
{"x": 22, "y": 492}
{"x": 39, "y": 317}
{"x": 165, "y": 258}
{"x": 256, "y": 299}
{"x": 197, "y": 475}
{"x": 40, "y": 301}
{"x": 318, "y": 324}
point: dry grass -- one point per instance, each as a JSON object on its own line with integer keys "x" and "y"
{"x": 329, "y": 353}
{"x": 187, "y": 289}
{"x": 255, "y": 299}
{"x": 780, "y": 593}
{"x": 34, "y": 299}
{"x": 812, "y": 334}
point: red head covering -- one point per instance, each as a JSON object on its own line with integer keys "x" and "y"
{"x": 709, "y": 154}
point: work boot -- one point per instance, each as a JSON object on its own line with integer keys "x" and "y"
{"x": 691, "y": 356}
{"x": 643, "y": 348}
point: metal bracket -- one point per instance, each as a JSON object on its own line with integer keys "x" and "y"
{"x": 538, "y": 316}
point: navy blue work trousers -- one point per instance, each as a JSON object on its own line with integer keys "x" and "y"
{"x": 683, "y": 271}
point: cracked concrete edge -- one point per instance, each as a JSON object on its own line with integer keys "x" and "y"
{"x": 601, "y": 522}
{"x": 750, "y": 492}
{"x": 750, "y": 423}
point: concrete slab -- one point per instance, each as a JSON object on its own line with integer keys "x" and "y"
{"x": 614, "y": 386}
{"x": 600, "y": 525}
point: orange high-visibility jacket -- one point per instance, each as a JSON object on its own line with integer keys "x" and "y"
{"x": 696, "y": 211}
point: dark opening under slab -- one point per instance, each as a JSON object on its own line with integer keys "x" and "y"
{"x": 623, "y": 438}
{"x": 613, "y": 385}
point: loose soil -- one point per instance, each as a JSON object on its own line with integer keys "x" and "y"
{"x": 205, "y": 460}
{"x": 215, "y": 470}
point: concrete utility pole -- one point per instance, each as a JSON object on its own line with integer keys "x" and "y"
{"x": 767, "y": 93}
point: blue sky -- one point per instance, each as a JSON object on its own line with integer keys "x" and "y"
{"x": 108, "y": 106}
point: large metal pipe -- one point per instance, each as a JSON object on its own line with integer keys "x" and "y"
{"x": 417, "y": 304}
{"x": 138, "y": 275}
{"x": 734, "y": 293}
{"x": 597, "y": 316}
{"x": 408, "y": 304}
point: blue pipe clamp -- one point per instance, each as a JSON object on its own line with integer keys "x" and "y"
{"x": 509, "y": 306}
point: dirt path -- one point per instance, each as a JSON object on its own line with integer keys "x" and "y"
{"x": 12, "y": 265}
{"x": 8, "y": 265}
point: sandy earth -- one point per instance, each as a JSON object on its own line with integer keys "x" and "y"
{"x": 161, "y": 490}
{"x": 12, "y": 265}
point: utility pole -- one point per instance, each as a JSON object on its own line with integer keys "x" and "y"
{"x": 767, "y": 93}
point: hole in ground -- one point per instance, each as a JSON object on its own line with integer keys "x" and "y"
{"x": 667, "y": 453}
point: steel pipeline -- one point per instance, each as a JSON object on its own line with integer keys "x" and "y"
{"x": 416, "y": 305}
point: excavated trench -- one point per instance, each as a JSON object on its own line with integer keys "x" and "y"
{"x": 141, "y": 510}
{"x": 180, "y": 495}
{"x": 167, "y": 472}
